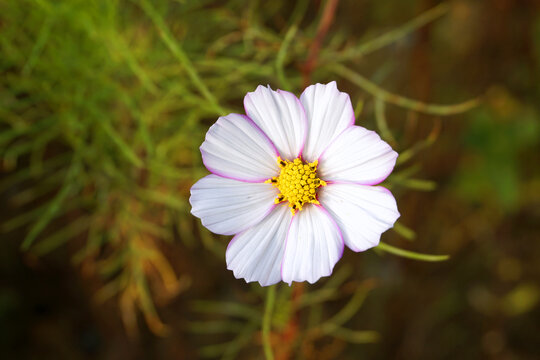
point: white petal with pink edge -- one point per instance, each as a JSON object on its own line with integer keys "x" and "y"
{"x": 236, "y": 148}
{"x": 281, "y": 116}
{"x": 358, "y": 156}
{"x": 329, "y": 112}
{"x": 227, "y": 206}
{"x": 362, "y": 212}
{"x": 256, "y": 254}
{"x": 314, "y": 245}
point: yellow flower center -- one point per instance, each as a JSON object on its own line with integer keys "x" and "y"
{"x": 297, "y": 183}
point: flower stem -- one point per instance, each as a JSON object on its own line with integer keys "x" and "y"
{"x": 267, "y": 322}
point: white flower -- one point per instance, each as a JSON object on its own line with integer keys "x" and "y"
{"x": 293, "y": 181}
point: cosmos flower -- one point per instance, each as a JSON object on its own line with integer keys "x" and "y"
{"x": 293, "y": 181}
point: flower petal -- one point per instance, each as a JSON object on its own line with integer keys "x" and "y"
{"x": 362, "y": 212}
{"x": 236, "y": 148}
{"x": 359, "y": 156}
{"x": 281, "y": 116}
{"x": 227, "y": 206}
{"x": 329, "y": 112}
{"x": 314, "y": 245}
{"x": 256, "y": 254}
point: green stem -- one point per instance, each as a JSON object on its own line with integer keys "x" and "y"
{"x": 392, "y": 36}
{"x": 267, "y": 322}
{"x": 410, "y": 254}
{"x": 382, "y": 124}
{"x": 402, "y": 101}
{"x": 180, "y": 55}
{"x": 280, "y": 58}
{"x": 297, "y": 16}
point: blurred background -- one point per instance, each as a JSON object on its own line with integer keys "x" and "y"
{"x": 104, "y": 103}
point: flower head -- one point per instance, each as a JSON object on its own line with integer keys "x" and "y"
{"x": 293, "y": 181}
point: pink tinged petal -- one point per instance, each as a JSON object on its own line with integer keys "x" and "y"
{"x": 227, "y": 206}
{"x": 362, "y": 212}
{"x": 314, "y": 245}
{"x": 281, "y": 116}
{"x": 237, "y": 149}
{"x": 329, "y": 112}
{"x": 256, "y": 254}
{"x": 359, "y": 156}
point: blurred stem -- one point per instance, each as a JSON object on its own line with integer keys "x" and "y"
{"x": 267, "y": 322}
{"x": 280, "y": 59}
{"x": 41, "y": 41}
{"x": 324, "y": 25}
{"x": 394, "y": 35}
{"x": 297, "y": 16}
{"x": 56, "y": 205}
{"x": 410, "y": 254}
{"x": 378, "y": 92}
{"x": 292, "y": 330}
{"x": 382, "y": 124}
{"x": 180, "y": 55}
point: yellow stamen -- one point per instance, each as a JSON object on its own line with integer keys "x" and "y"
{"x": 297, "y": 183}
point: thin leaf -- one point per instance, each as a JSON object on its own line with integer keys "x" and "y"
{"x": 296, "y": 17}
{"x": 168, "y": 200}
{"x": 226, "y": 308}
{"x": 53, "y": 208}
{"x": 378, "y": 92}
{"x": 358, "y": 108}
{"x": 348, "y": 311}
{"x": 146, "y": 226}
{"x": 390, "y": 37}
{"x": 229, "y": 349}
{"x": 68, "y": 232}
{"x": 243, "y": 339}
{"x": 402, "y": 178}
{"x": 356, "y": 336}
{"x": 404, "y": 231}
{"x": 408, "y": 154}
{"x": 40, "y": 43}
{"x": 33, "y": 192}
{"x": 180, "y": 55}
{"x": 16, "y": 150}
{"x": 380, "y": 118}
{"x": 110, "y": 289}
{"x": 148, "y": 308}
{"x": 410, "y": 254}
{"x": 329, "y": 290}
{"x": 124, "y": 148}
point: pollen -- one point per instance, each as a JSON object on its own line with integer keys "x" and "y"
{"x": 297, "y": 183}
